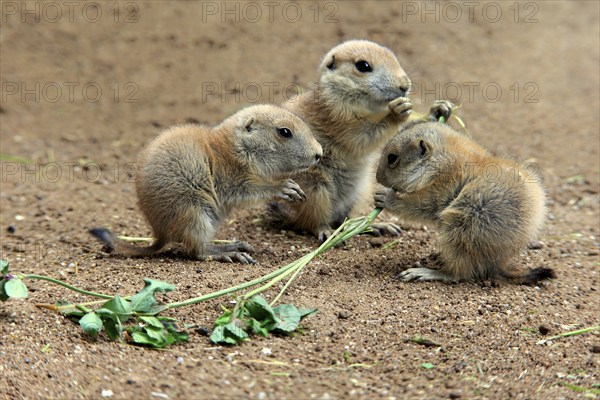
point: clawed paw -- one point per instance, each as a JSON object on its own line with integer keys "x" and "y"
{"x": 384, "y": 197}
{"x": 422, "y": 275}
{"x": 401, "y": 107}
{"x": 234, "y": 256}
{"x": 291, "y": 191}
{"x": 385, "y": 228}
{"x": 441, "y": 108}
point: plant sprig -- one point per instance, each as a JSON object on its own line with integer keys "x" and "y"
{"x": 137, "y": 317}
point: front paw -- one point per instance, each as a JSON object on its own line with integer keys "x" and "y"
{"x": 290, "y": 191}
{"x": 401, "y": 107}
{"x": 323, "y": 234}
{"x": 385, "y": 228}
{"x": 440, "y": 109}
{"x": 384, "y": 198}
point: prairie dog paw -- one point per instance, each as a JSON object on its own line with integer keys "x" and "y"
{"x": 233, "y": 256}
{"x": 423, "y": 274}
{"x": 384, "y": 198}
{"x": 243, "y": 247}
{"x": 290, "y": 191}
{"x": 385, "y": 228}
{"x": 401, "y": 107}
{"x": 441, "y": 108}
{"x": 324, "y": 234}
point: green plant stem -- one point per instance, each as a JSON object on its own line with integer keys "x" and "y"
{"x": 73, "y": 288}
{"x": 347, "y": 230}
{"x": 570, "y": 333}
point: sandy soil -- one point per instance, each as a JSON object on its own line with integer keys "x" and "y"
{"x": 96, "y": 81}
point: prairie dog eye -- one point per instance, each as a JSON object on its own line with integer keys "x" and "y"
{"x": 392, "y": 159}
{"x": 363, "y": 66}
{"x": 285, "y": 132}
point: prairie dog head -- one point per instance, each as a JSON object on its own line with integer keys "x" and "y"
{"x": 412, "y": 159}
{"x": 363, "y": 76}
{"x": 274, "y": 142}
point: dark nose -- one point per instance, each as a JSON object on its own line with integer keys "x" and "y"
{"x": 392, "y": 160}
{"x": 317, "y": 157}
{"x": 404, "y": 89}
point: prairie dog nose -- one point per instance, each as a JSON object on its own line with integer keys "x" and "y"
{"x": 392, "y": 160}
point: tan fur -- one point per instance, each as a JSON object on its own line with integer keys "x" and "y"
{"x": 487, "y": 209}
{"x": 352, "y": 114}
{"x": 191, "y": 177}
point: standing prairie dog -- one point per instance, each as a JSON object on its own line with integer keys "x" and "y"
{"x": 190, "y": 177}
{"x": 356, "y": 106}
{"x": 486, "y": 208}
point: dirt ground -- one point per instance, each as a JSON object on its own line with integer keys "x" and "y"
{"x": 91, "y": 83}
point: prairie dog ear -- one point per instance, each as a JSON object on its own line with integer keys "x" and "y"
{"x": 425, "y": 148}
{"x": 248, "y": 124}
{"x": 331, "y": 63}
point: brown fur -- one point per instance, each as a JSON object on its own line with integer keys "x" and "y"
{"x": 486, "y": 208}
{"x": 191, "y": 177}
{"x": 352, "y": 114}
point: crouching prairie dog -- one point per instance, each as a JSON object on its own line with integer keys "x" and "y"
{"x": 190, "y": 178}
{"x": 355, "y": 107}
{"x": 486, "y": 208}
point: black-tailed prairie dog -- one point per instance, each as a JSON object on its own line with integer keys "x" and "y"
{"x": 190, "y": 178}
{"x": 357, "y": 105}
{"x": 486, "y": 208}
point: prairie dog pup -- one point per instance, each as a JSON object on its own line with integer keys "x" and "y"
{"x": 357, "y": 105}
{"x": 486, "y": 208}
{"x": 190, "y": 177}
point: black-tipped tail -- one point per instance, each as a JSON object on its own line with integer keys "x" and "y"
{"x": 112, "y": 244}
{"x": 105, "y": 237}
{"x": 536, "y": 275}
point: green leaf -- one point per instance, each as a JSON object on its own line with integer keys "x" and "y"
{"x": 4, "y": 267}
{"x": 289, "y": 317}
{"x": 305, "y": 312}
{"x": 143, "y": 338}
{"x": 145, "y": 301}
{"x": 228, "y": 334}
{"x": 257, "y": 327}
{"x": 427, "y": 365}
{"x": 224, "y": 318}
{"x": 3, "y": 295}
{"x": 152, "y": 321}
{"x": 259, "y": 309}
{"x": 113, "y": 329}
{"x": 91, "y": 324}
{"x": 120, "y": 308}
{"x": 15, "y": 288}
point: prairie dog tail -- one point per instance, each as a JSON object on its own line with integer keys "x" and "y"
{"x": 115, "y": 245}
{"x": 529, "y": 276}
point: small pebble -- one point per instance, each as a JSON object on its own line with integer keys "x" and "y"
{"x": 536, "y": 245}
{"x": 160, "y": 395}
{"x": 266, "y": 351}
{"x": 19, "y": 217}
{"x": 201, "y": 330}
{"x": 595, "y": 349}
{"x": 179, "y": 360}
{"x": 343, "y": 315}
{"x": 11, "y": 229}
{"x": 106, "y": 393}
{"x": 27, "y": 361}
